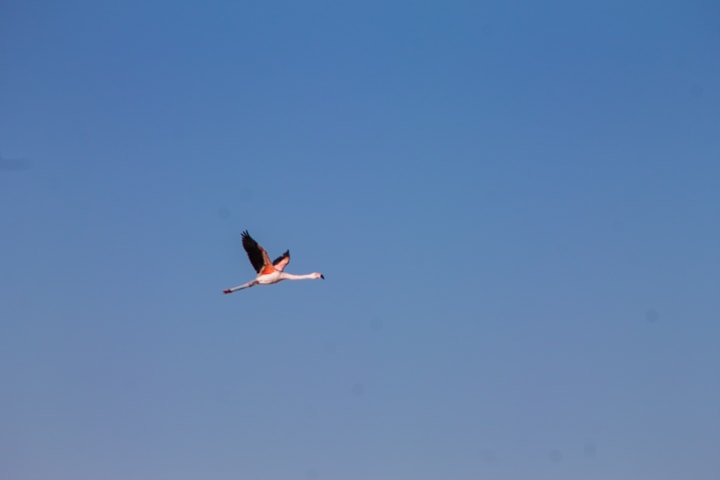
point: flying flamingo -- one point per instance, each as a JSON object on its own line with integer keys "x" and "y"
{"x": 268, "y": 272}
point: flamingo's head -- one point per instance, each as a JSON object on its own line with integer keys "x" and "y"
{"x": 318, "y": 275}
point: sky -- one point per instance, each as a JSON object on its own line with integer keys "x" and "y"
{"x": 515, "y": 206}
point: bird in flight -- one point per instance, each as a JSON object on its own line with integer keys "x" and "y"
{"x": 268, "y": 272}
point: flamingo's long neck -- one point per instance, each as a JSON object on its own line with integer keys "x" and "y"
{"x": 290, "y": 276}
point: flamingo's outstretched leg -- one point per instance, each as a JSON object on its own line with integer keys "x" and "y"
{"x": 240, "y": 287}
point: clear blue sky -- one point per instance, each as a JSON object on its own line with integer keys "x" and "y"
{"x": 515, "y": 205}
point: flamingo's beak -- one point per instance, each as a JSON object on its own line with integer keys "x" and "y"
{"x": 322, "y": 276}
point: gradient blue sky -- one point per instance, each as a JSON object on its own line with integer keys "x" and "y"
{"x": 515, "y": 205}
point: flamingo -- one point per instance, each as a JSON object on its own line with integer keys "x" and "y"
{"x": 268, "y": 272}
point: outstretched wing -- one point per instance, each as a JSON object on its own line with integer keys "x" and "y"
{"x": 281, "y": 262}
{"x": 257, "y": 254}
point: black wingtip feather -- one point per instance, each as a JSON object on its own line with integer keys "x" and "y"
{"x": 253, "y": 251}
